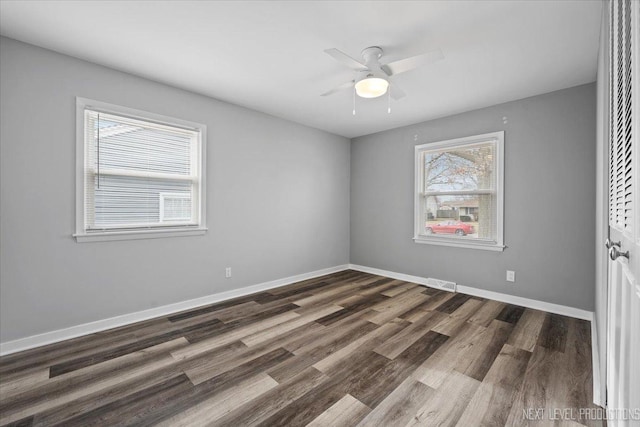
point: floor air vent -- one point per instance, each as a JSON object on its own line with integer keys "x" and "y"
{"x": 441, "y": 284}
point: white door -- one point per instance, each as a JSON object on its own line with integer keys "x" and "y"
{"x": 623, "y": 317}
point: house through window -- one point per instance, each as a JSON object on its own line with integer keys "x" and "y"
{"x": 459, "y": 192}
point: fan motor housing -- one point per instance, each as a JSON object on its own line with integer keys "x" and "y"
{"x": 371, "y": 52}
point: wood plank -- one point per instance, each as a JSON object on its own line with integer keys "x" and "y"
{"x": 223, "y": 359}
{"x": 236, "y": 378}
{"x": 237, "y": 311}
{"x": 211, "y": 308}
{"x": 364, "y": 302}
{"x": 526, "y": 332}
{"x": 277, "y": 294}
{"x": 452, "y": 323}
{"x": 511, "y": 313}
{"x": 487, "y": 313}
{"x": 373, "y": 389}
{"x": 435, "y": 370}
{"x": 396, "y": 290}
{"x": 22, "y": 383}
{"x": 432, "y": 291}
{"x": 314, "y": 351}
{"x": 345, "y": 412}
{"x": 479, "y": 358}
{"x": 231, "y": 336}
{"x": 544, "y": 389}
{"x": 553, "y": 334}
{"x": 279, "y": 329}
{"x": 14, "y": 365}
{"x": 328, "y": 343}
{"x": 291, "y": 367}
{"x": 447, "y": 406}
{"x": 307, "y": 407}
{"x": 453, "y": 303}
{"x": 325, "y": 280}
{"x": 210, "y": 410}
{"x": 402, "y": 298}
{"x": 31, "y": 403}
{"x": 272, "y": 401}
{"x": 396, "y": 306}
{"x": 134, "y": 406}
{"x": 82, "y": 409}
{"x": 327, "y": 296}
{"x": 363, "y": 344}
{"x": 405, "y": 338}
{"x": 400, "y": 406}
{"x": 415, "y": 314}
{"x": 202, "y": 334}
{"x": 373, "y": 287}
{"x": 336, "y": 316}
{"x": 435, "y": 301}
{"x": 491, "y": 404}
{"x": 376, "y": 283}
{"x": 579, "y": 385}
{"x": 25, "y": 422}
{"x": 84, "y": 377}
{"x": 349, "y": 322}
{"x": 113, "y": 353}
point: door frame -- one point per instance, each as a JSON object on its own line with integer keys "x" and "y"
{"x": 599, "y": 322}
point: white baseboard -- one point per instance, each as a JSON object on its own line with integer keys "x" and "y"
{"x": 497, "y": 296}
{"x": 126, "y": 319}
{"x": 598, "y": 389}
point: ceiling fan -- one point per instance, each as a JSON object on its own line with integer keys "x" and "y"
{"x": 373, "y": 78}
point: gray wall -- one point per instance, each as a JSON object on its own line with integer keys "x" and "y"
{"x": 550, "y": 153}
{"x": 277, "y": 200}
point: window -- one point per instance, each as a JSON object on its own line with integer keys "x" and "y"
{"x": 459, "y": 192}
{"x": 139, "y": 175}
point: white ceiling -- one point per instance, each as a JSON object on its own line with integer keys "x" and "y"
{"x": 268, "y": 55}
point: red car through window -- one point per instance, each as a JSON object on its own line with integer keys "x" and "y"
{"x": 450, "y": 227}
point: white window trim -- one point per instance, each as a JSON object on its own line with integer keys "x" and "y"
{"x": 81, "y": 235}
{"x": 461, "y": 242}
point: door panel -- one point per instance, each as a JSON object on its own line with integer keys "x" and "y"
{"x": 623, "y": 361}
{"x": 623, "y": 348}
{"x": 623, "y": 311}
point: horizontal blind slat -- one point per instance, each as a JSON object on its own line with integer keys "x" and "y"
{"x": 131, "y": 166}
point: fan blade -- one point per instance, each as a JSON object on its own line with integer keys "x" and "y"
{"x": 343, "y": 86}
{"x": 408, "y": 64}
{"x": 345, "y": 59}
{"x": 396, "y": 92}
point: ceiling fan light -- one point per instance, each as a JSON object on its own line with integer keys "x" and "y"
{"x": 372, "y": 87}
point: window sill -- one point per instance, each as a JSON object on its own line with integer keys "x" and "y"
{"x": 459, "y": 243}
{"x": 137, "y": 234}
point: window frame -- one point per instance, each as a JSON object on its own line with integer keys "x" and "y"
{"x": 419, "y": 193}
{"x": 82, "y": 234}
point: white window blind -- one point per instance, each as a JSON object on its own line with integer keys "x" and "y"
{"x": 620, "y": 140}
{"x": 139, "y": 174}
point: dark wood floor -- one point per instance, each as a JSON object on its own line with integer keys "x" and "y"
{"x": 344, "y": 349}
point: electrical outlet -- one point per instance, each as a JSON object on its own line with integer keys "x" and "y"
{"x": 511, "y": 276}
{"x": 227, "y": 272}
